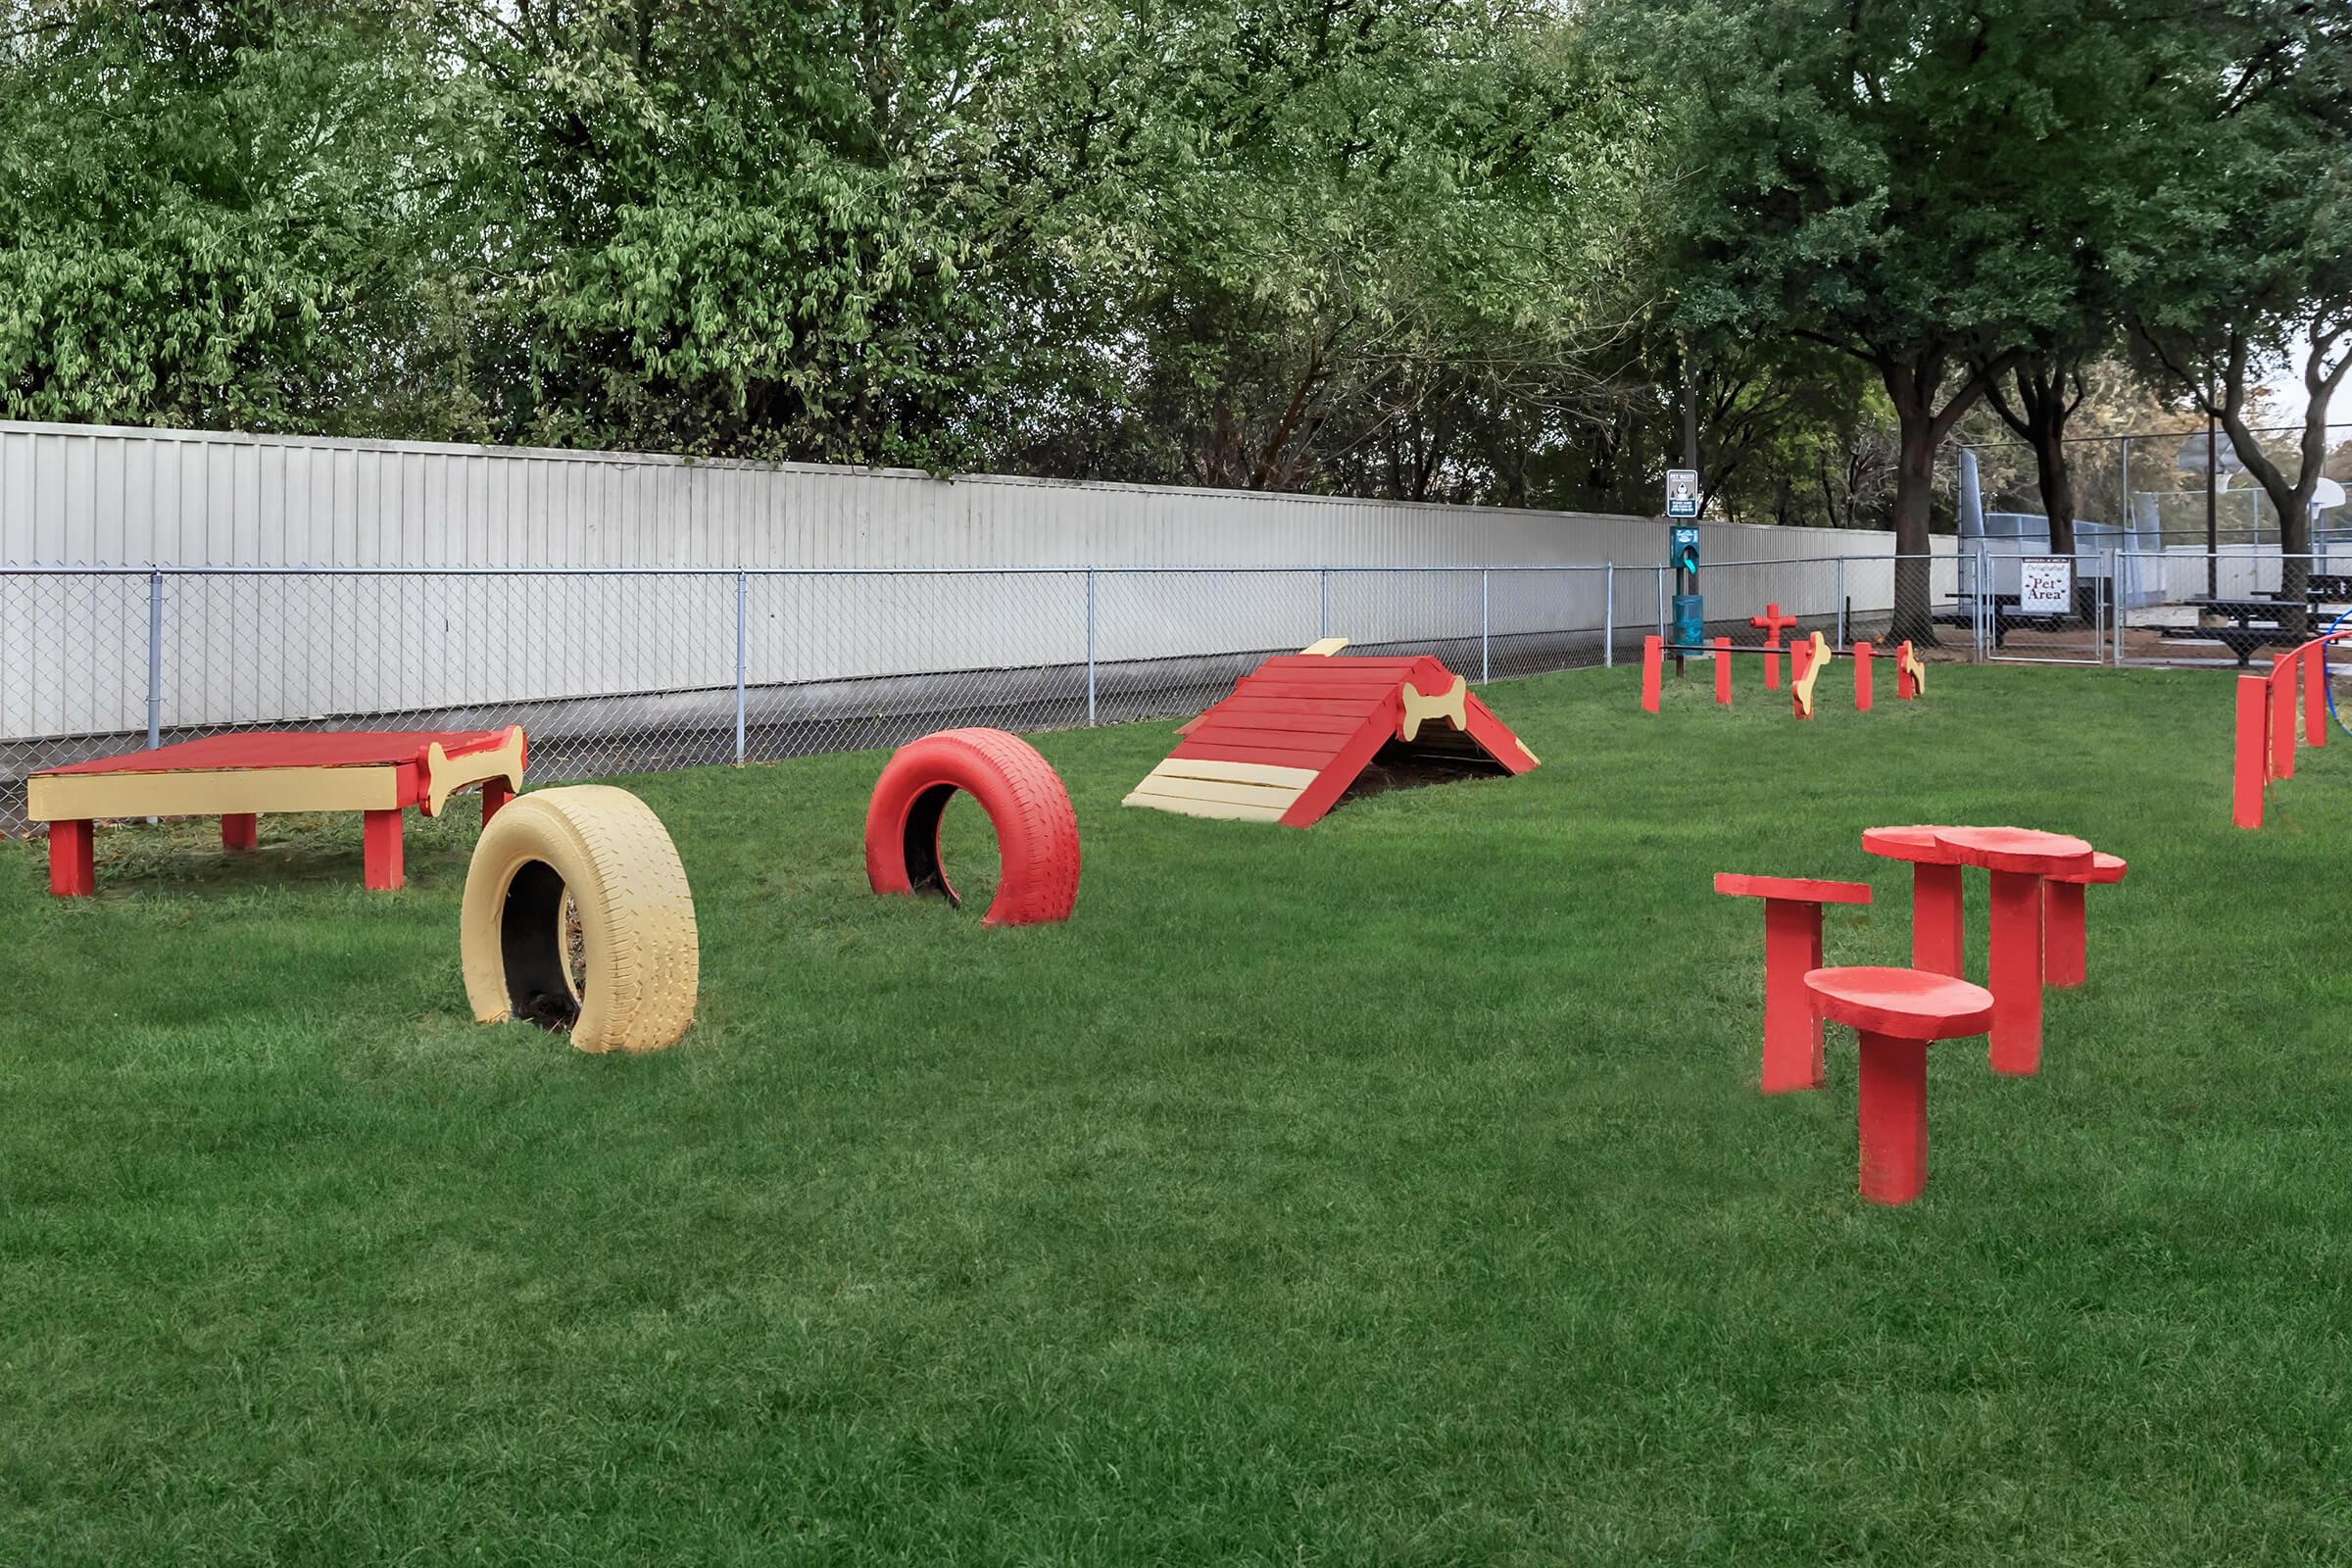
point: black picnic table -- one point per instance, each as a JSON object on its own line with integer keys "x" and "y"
{"x": 2256, "y": 623}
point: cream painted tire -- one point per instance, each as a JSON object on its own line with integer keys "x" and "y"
{"x": 611, "y": 854}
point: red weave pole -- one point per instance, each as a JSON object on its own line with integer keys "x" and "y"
{"x": 2315, "y": 693}
{"x": 1652, "y": 661}
{"x": 2283, "y": 714}
{"x": 2246, "y": 777}
{"x": 1722, "y": 670}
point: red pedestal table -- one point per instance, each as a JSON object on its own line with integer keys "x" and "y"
{"x": 2063, "y": 943}
{"x": 1938, "y": 940}
{"x": 2018, "y": 859}
{"x": 1897, "y": 1012}
{"x": 1791, "y": 947}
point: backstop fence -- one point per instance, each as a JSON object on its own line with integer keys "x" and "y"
{"x": 630, "y": 670}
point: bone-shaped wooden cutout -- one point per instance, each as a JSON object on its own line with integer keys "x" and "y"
{"x": 1450, "y": 705}
{"x": 1908, "y": 663}
{"x": 1802, "y": 687}
{"x": 445, "y": 775}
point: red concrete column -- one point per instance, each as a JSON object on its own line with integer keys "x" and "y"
{"x": 2283, "y": 717}
{"x": 1651, "y": 669}
{"x": 1862, "y": 652}
{"x": 2315, "y": 695}
{"x": 2253, "y": 722}
{"x": 240, "y": 831}
{"x": 1893, "y": 1117}
{"x": 1939, "y": 935}
{"x": 2013, "y": 972}
{"x": 495, "y": 793}
{"x": 74, "y": 863}
{"x": 1792, "y": 1031}
{"x": 1722, "y": 670}
{"x": 382, "y": 840}
{"x": 2063, "y": 937}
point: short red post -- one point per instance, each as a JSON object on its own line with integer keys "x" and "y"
{"x": 1722, "y": 670}
{"x": 1800, "y": 659}
{"x": 2018, "y": 859}
{"x": 2063, "y": 939}
{"x": 73, "y": 859}
{"x": 2065, "y": 942}
{"x": 240, "y": 831}
{"x": 1772, "y": 670}
{"x": 381, "y": 841}
{"x": 1891, "y": 1102}
{"x": 2315, "y": 695}
{"x": 1791, "y": 948}
{"x": 1652, "y": 667}
{"x": 1938, "y": 933}
{"x": 1862, "y": 651}
{"x": 1897, "y": 1014}
{"x": 1904, "y": 690}
{"x": 2252, "y": 760}
{"x": 2283, "y": 717}
{"x": 495, "y": 793}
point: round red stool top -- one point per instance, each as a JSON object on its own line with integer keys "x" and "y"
{"x": 2104, "y": 867}
{"x": 1802, "y": 890}
{"x": 2015, "y": 848}
{"x": 1916, "y": 844}
{"x": 1907, "y": 1004}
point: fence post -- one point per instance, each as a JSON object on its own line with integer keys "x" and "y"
{"x": 155, "y": 658}
{"x": 743, "y": 595}
{"x": 1842, "y": 600}
{"x": 1608, "y": 617}
{"x": 1481, "y": 626}
{"x": 1090, "y": 647}
{"x": 1323, "y": 620}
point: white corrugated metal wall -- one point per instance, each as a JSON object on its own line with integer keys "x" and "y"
{"x": 111, "y": 496}
{"x": 250, "y": 649}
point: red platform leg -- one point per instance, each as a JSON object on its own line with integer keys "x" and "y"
{"x": 1862, "y": 652}
{"x": 495, "y": 793}
{"x": 2283, "y": 717}
{"x": 1939, "y": 936}
{"x": 240, "y": 831}
{"x": 2315, "y": 695}
{"x": 73, "y": 865}
{"x": 2251, "y": 761}
{"x": 1771, "y": 669}
{"x": 1894, "y": 1115}
{"x": 1722, "y": 670}
{"x": 382, "y": 837}
{"x": 2013, "y": 972}
{"x": 2062, "y": 938}
{"x": 1652, "y": 664}
{"x": 1791, "y": 1032}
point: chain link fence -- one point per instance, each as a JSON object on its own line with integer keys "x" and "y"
{"x": 619, "y": 670}
{"x": 2234, "y": 608}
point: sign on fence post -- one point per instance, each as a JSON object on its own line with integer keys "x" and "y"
{"x": 1682, "y": 492}
{"x": 2046, "y": 585}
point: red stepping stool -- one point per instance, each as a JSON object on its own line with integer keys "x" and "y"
{"x": 2018, "y": 859}
{"x": 1938, "y": 941}
{"x": 1897, "y": 1013}
{"x": 2062, "y": 937}
{"x": 1791, "y": 947}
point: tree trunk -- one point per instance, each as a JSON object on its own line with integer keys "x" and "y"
{"x": 2057, "y": 490}
{"x": 1914, "y": 491}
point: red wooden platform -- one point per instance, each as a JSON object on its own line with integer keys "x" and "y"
{"x": 241, "y": 776}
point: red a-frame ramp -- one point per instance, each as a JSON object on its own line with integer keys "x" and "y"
{"x": 1295, "y": 734}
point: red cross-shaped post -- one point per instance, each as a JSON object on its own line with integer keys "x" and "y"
{"x": 1774, "y": 623}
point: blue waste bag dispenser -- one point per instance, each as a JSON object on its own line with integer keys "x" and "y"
{"x": 1690, "y": 609}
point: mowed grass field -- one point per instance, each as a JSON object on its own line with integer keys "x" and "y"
{"x": 1396, "y": 1192}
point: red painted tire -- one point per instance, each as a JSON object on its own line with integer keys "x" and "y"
{"x": 1037, "y": 832}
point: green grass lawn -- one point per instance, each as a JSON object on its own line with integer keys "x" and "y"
{"x": 1396, "y": 1192}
